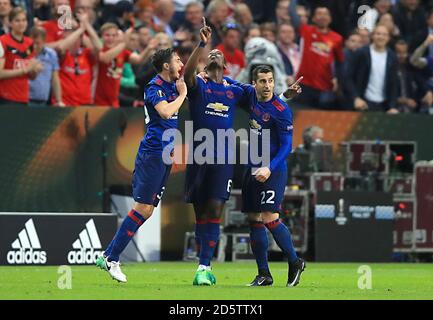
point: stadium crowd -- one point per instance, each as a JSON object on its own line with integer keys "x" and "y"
{"x": 374, "y": 55}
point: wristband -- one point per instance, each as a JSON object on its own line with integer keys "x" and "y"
{"x": 283, "y": 97}
{"x": 202, "y": 44}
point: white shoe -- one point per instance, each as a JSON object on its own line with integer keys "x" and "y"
{"x": 115, "y": 271}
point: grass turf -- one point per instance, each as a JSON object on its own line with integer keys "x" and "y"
{"x": 173, "y": 280}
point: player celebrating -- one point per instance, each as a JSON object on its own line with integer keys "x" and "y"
{"x": 207, "y": 186}
{"x": 263, "y": 188}
{"x": 164, "y": 96}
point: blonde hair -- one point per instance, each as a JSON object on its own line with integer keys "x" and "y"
{"x": 107, "y": 26}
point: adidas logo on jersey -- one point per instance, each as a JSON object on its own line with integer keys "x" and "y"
{"x": 26, "y": 248}
{"x": 85, "y": 248}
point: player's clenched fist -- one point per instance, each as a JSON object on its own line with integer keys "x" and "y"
{"x": 181, "y": 87}
{"x": 262, "y": 174}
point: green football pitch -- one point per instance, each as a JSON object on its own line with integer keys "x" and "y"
{"x": 173, "y": 280}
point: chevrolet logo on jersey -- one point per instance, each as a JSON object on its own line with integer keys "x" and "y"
{"x": 219, "y": 107}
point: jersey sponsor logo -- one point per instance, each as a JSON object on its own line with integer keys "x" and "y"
{"x": 230, "y": 94}
{"x": 218, "y": 109}
{"x": 87, "y": 248}
{"x": 27, "y": 248}
{"x": 321, "y": 48}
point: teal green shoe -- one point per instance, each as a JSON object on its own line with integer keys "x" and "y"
{"x": 201, "y": 278}
{"x": 101, "y": 263}
{"x": 211, "y": 277}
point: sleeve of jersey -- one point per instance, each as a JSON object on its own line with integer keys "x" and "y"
{"x": 2, "y": 53}
{"x": 285, "y": 131}
{"x": 155, "y": 94}
{"x": 247, "y": 88}
{"x": 192, "y": 91}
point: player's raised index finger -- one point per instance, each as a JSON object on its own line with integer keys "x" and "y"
{"x": 204, "y": 22}
{"x": 298, "y": 81}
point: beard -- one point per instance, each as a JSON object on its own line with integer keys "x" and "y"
{"x": 212, "y": 65}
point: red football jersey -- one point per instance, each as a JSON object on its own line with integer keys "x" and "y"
{"x": 54, "y": 33}
{"x": 16, "y": 55}
{"x": 76, "y": 74}
{"x": 108, "y": 80}
{"x": 235, "y": 62}
{"x": 319, "y": 51}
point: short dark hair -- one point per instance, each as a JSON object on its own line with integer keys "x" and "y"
{"x": 261, "y": 69}
{"x": 160, "y": 57}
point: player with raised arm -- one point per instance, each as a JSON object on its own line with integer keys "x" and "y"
{"x": 264, "y": 183}
{"x": 212, "y": 103}
{"x": 164, "y": 95}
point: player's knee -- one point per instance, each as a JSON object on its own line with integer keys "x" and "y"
{"x": 269, "y": 216}
{"x": 145, "y": 210}
{"x": 214, "y": 209}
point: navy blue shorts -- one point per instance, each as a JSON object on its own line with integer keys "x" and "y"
{"x": 149, "y": 178}
{"x": 260, "y": 197}
{"x": 208, "y": 181}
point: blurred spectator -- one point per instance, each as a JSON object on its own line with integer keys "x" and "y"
{"x": 365, "y": 36}
{"x": 183, "y": 37}
{"x": 144, "y": 72}
{"x": 194, "y": 12}
{"x": 352, "y": 43}
{"x": 179, "y": 13}
{"x": 144, "y": 17}
{"x": 413, "y": 93}
{"x": 388, "y": 21}
{"x": 54, "y": 32}
{"x": 216, "y": 12}
{"x": 112, "y": 58}
{"x": 76, "y": 63}
{"x": 289, "y": 50}
{"x": 88, "y": 7}
{"x": 48, "y": 79}
{"x": 124, "y": 15}
{"x": 251, "y": 32}
{"x": 373, "y": 75}
{"x": 420, "y": 61}
{"x": 41, "y": 9}
{"x": 282, "y": 12}
{"x": 144, "y": 36}
{"x": 17, "y": 64}
{"x": 5, "y": 9}
{"x": 268, "y": 30}
{"x": 372, "y": 16}
{"x": 303, "y": 14}
{"x": 422, "y": 34}
{"x": 163, "y": 14}
{"x": 235, "y": 59}
{"x": 322, "y": 55}
{"x": 261, "y": 51}
{"x": 410, "y": 18}
{"x": 243, "y": 16}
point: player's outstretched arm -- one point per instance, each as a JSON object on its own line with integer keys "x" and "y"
{"x": 167, "y": 109}
{"x": 192, "y": 63}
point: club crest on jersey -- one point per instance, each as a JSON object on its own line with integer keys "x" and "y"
{"x": 230, "y": 94}
{"x": 160, "y": 93}
{"x": 266, "y": 117}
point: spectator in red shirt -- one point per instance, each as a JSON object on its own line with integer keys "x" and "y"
{"x": 17, "y": 63}
{"x": 60, "y": 17}
{"x": 112, "y": 57}
{"x": 76, "y": 64}
{"x": 235, "y": 58}
{"x": 322, "y": 55}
